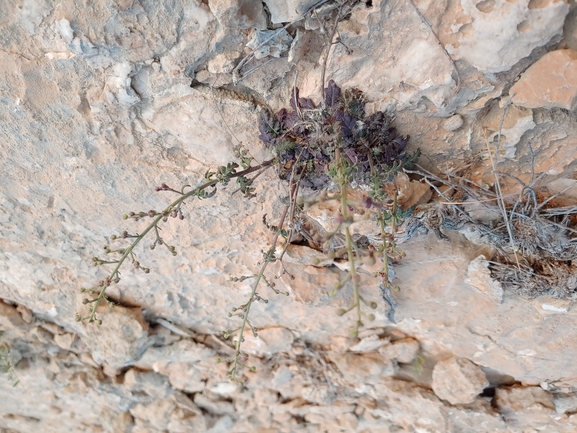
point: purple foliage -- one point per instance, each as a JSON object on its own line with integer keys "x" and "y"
{"x": 332, "y": 94}
{"x": 298, "y": 134}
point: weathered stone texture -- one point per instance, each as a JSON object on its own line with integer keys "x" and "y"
{"x": 458, "y": 380}
{"x": 550, "y": 82}
{"x": 97, "y": 109}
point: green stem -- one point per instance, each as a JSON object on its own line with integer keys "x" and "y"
{"x": 349, "y": 239}
{"x": 128, "y": 251}
{"x": 384, "y": 248}
{"x": 259, "y": 277}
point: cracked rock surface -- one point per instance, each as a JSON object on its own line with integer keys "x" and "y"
{"x": 97, "y": 109}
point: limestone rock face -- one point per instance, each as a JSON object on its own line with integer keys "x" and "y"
{"x": 458, "y": 380}
{"x": 287, "y": 11}
{"x": 243, "y": 14}
{"x": 418, "y": 69}
{"x": 97, "y": 110}
{"x": 493, "y": 35}
{"x": 525, "y": 407}
{"x": 550, "y": 82}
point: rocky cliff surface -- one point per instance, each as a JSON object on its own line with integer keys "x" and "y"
{"x": 97, "y": 109}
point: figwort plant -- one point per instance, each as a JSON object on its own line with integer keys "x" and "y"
{"x": 332, "y": 147}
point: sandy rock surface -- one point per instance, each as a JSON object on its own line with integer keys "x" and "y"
{"x": 97, "y": 110}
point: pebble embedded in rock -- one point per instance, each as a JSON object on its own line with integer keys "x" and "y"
{"x": 453, "y": 123}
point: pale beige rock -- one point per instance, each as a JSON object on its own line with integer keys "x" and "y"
{"x": 458, "y": 380}
{"x": 215, "y": 407}
{"x": 269, "y": 341}
{"x": 152, "y": 384}
{"x": 243, "y": 14}
{"x": 182, "y": 376}
{"x": 412, "y": 193}
{"x": 316, "y": 394}
{"x": 369, "y": 344}
{"x": 479, "y": 276}
{"x": 417, "y": 71}
{"x": 112, "y": 113}
{"x": 493, "y": 35}
{"x": 25, "y": 313}
{"x": 565, "y": 403}
{"x": 348, "y": 421}
{"x": 223, "y": 63}
{"x": 357, "y": 368}
{"x": 550, "y": 305}
{"x": 185, "y": 351}
{"x": 512, "y": 399}
{"x": 9, "y": 316}
{"x": 404, "y": 351}
{"x": 453, "y": 123}
{"x": 270, "y": 43}
{"x": 517, "y": 121}
{"x": 174, "y": 414}
{"x": 120, "y": 340}
{"x": 286, "y": 11}
{"x": 64, "y": 340}
{"x": 550, "y": 82}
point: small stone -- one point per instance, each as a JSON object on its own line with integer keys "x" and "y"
{"x": 348, "y": 421}
{"x": 453, "y": 123}
{"x": 320, "y": 395}
{"x": 269, "y": 341}
{"x": 517, "y": 121}
{"x": 549, "y": 305}
{"x": 479, "y": 276}
{"x": 282, "y": 11}
{"x": 458, "y": 380}
{"x": 403, "y": 351}
{"x": 183, "y": 376}
{"x": 565, "y": 403}
{"x": 511, "y": 399}
{"x": 153, "y": 384}
{"x": 9, "y": 317}
{"x": 217, "y": 407}
{"x": 64, "y": 341}
{"x": 25, "y": 313}
{"x": 275, "y": 43}
{"x": 550, "y": 82}
{"x": 240, "y": 14}
{"x": 222, "y": 63}
{"x": 365, "y": 368}
{"x": 369, "y": 344}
